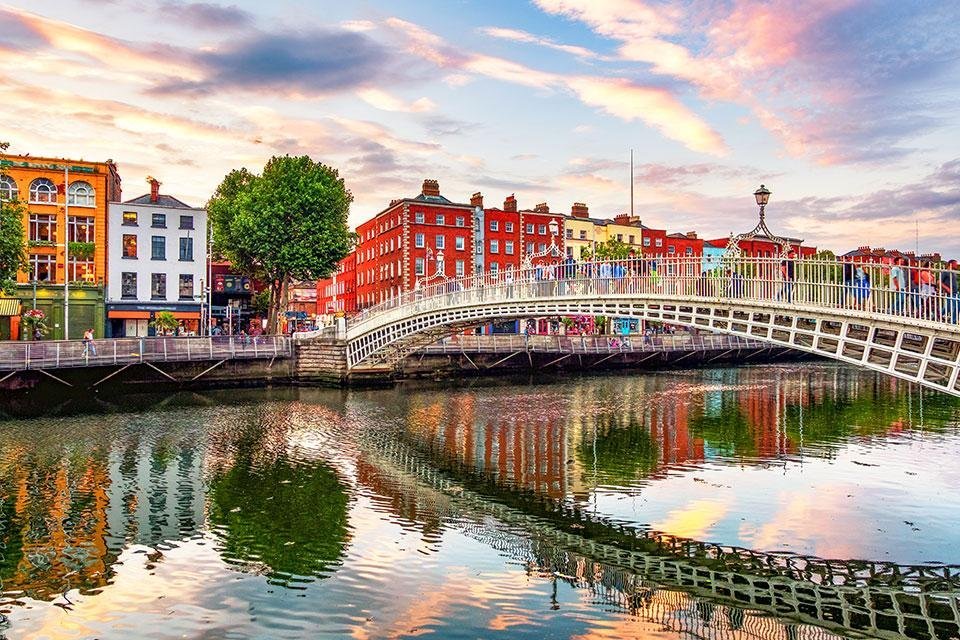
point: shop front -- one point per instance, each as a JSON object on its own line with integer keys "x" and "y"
{"x": 135, "y": 319}
{"x": 85, "y": 309}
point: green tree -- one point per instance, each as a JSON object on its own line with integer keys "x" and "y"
{"x": 165, "y": 321}
{"x": 612, "y": 249}
{"x": 13, "y": 246}
{"x": 287, "y": 223}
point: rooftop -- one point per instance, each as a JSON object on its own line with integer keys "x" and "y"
{"x": 162, "y": 201}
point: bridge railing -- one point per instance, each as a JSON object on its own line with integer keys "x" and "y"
{"x": 922, "y": 293}
{"x": 586, "y": 344}
{"x": 55, "y": 354}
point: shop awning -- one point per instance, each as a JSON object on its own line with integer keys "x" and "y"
{"x": 9, "y": 307}
{"x": 120, "y": 314}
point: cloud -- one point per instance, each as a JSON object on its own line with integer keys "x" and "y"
{"x": 386, "y": 102}
{"x": 205, "y": 15}
{"x": 619, "y": 97}
{"x": 305, "y": 63}
{"x": 516, "y": 35}
{"x": 16, "y": 34}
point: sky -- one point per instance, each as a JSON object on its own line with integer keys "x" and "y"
{"x": 847, "y": 110}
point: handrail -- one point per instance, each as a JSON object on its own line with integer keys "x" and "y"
{"x": 922, "y": 294}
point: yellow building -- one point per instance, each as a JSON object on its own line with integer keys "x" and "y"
{"x": 583, "y": 233}
{"x": 65, "y": 214}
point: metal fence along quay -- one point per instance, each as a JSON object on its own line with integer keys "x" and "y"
{"x": 60, "y": 354}
{"x": 898, "y": 319}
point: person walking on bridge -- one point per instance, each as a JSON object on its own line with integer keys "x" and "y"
{"x": 88, "y": 346}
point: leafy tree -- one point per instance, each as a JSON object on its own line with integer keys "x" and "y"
{"x": 13, "y": 247}
{"x": 612, "y": 249}
{"x": 165, "y": 321}
{"x": 287, "y": 223}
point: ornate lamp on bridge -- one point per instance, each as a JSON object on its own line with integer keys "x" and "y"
{"x": 760, "y": 231}
{"x": 437, "y": 276}
{"x": 553, "y": 250}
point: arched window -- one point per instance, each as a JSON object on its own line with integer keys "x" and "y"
{"x": 8, "y": 188}
{"x": 43, "y": 190}
{"x": 82, "y": 194}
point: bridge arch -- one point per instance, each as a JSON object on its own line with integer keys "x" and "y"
{"x": 814, "y": 316}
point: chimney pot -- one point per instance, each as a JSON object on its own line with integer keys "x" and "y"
{"x": 510, "y": 203}
{"x": 476, "y": 200}
{"x": 579, "y": 210}
{"x": 692, "y": 235}
{"x": 154, "y": 189}
{"x": 542, "y": 208}
{"x": 430, "y": 188}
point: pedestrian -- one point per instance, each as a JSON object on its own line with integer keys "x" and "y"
{"x": 787, "y": 275}
{"x": 948, "y": 289}
{"x": 89, "y": 348}
{"x": 37, "y": 334}
{"x": 898, "y": 285}
{"x": 861, "y": 287}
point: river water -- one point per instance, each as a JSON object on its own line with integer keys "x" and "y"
{"x": 786, "y": 502}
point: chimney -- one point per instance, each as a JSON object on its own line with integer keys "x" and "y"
{"x": 541, "y": 208}
{"x": 692, "y": 235}
{"x": 621, "y": 218}
{"x": 476, "y": 200}
{"x": 154, "y": 189}
{"x": 430, "y": 188}
{"x": 510, "y": 204}
{"x": 579, "y": 210}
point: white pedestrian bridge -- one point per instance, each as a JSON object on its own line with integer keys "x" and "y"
{"x": 903, "y": 326}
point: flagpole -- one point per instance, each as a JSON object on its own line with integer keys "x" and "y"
{"x": 66, "y": 252}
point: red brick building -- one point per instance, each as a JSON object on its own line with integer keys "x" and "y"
{"x": 535, "y": 235}
{"x": 413, "y": 238}
{"x": 338, "y": 293}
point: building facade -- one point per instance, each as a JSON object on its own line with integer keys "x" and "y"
{"x": 338, "y": 293}
{"x": 157, "y": 262}
{"x": 65, "y": 220}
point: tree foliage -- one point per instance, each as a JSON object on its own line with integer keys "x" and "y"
{"x": 612, "y": 249}
{"x": 287, "y": 223}
{"x": 165, "y": 321}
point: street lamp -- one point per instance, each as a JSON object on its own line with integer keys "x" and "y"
{"x": 762, "y": 196}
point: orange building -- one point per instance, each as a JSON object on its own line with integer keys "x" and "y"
{"x": 64, "y": 218}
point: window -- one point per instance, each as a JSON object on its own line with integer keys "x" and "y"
{"x": 529, "y": 247}
{"x": 583, "y": 234}
{"x": 418, "y": 241}
{"x": 159, "y": 221}
{"x": 659, "y": 242}
{"x": 529, "y": 228}
{"x": 494, "y": 267}
{"x": 630, "y": 239}
{"x": 43, "y": 228}
{"x": 494, "y": 246}
{"x": 440, "y": 219}
{"x": 158, "y": 248}
{"x": 646, "y": 242}
{"x": 186, "y": 249}
{"x": 508, "y": 247}
{"x": 541, "y": 229}
{"x": 81, "y": 194}
{"x": 43, "y": 190}
{"x": 81, "y": 271}
{"x": 186, "y": 222}
{"x": 129, "y": 245}
{"x": 494, "y": 225}
{"x": 542, "y": 247}
{"x": 42, "y": 267}
{"x": 129, "y": 218}
{"x": 418, "y": 216}
{"x": 8, "y": 188}
{"x": 508, "y": 227}
{"x": 570, "y": 234}
{"x": 80, "y": 229}
{"x": 671, "y": 249}
{"x": 459, "y": 221}
{"x": 158, "y": 286}
{"x": 459, "y": 268}
{"x": 128, "y": 285}
{"x": 619, "y": 237}
{"x": 688, "y": 251}
{"x": 460, "y": 243}
{"x": 186, "y": 286}
{"x": 569, "y": 252}
{"x": 440, "y": 244}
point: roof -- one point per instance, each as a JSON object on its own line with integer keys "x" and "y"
{"x": 434, "y": 199}
{"x": 162, "y": 201}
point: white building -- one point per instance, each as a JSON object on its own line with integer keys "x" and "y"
{"x": 156, "y": 261}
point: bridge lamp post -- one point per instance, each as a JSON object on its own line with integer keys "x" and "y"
{"x": 763, "y": 197}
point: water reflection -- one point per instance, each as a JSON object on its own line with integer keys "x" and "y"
{"x": 560, "y": 510}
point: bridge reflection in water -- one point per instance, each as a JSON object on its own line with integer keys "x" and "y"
{"x": 512, "y": 469}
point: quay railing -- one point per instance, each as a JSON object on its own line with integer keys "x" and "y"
{"x": 57, "y": 354}
{"x": 587, "y": 344}
{"x": 923, "y": 293}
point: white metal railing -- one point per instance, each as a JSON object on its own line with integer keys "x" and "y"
{"x": 54, "y": 354}
{"x": 922, "y": 293}
{"x": 511, "y": 343}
